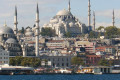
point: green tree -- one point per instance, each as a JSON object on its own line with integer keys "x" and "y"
{"x": 12, "y": 61}
{"x": 48, "y": 32}
{"x": 25, "y": 61}
{"x": 111, "y": 31}
{"x": 68, "y": 34}
{"x": 77, "y": 61}
{"x": 104, "y": 62}
{"x": 23, "y": 30}
{"x": 92, "y": 34}
{"x": 101, "y": 27}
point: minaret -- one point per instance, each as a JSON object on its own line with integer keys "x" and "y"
{"x": 5, "y": 24}
{"x": 37, "y": 33}
{"x": 69, "y": 8}
{"x": 93, "y": 21}
{"x": 89, "y": 14}
{"x": 113, "y": 19}
{"x": 15, "y": 22}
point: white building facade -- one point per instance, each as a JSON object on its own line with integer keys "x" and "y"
{"x": 4, "y": 56}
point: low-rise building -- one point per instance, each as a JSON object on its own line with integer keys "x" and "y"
{"x": 89, "y": 46}
{"x": 107, "y": 49}
{"x": 58, "y": 60}
{"x": 4, "y": 56}
{"x": 93, "y": 59}
{"x": 57, "y": 44}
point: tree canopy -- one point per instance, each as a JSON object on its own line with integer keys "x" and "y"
{"x": 25, "y": 61}
{"x": 48, "y": 32}
{"x": 104, "y": 62}
{"x": 77, "y": 61}
{"x": 111, "y": 31}
{"x": 92, "y": 34}
{"x": 101, "y": 27}
{"x": 22, "y": 30}
{"x": 68, "y": 34}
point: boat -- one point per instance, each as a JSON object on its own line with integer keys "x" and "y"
{"x": 15, "y": 70}
{"x": 100, "y": 73}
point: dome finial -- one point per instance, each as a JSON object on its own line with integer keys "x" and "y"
{"x": 5, "y": 24}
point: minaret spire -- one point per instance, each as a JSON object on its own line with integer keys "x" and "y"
{"x": 15, "y": 22}
{"x": 37, "y": 32}
{"x": 5, "y": 24}
{"x": 113, "y": 18}
{"x": 93, "y": 21}
{"x": 69, "y": 8}
{"x": 89, "y": 14}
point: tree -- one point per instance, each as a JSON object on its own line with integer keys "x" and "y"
{"x": 23, "y": 30}
{"x": 12, "y": 61}
{"x": 92, "y": 34}
{"x": 101, "y": 27}
{"x": 104, "y": 62}
{"x": 48, "y": 32}
{"x": 111, "y": 31}
{"x": 77, "y": 61}
{"x": 68, "y": 34}
{"x": 25, "y": 61}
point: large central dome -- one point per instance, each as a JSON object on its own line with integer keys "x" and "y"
{"x": 64, "y": 13}
{"x": 6, "y": 30}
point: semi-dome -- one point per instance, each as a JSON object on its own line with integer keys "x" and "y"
{"x": 64, "y": 13}
{"x": 11, "y": 40}
{"x": 6, "y": 30}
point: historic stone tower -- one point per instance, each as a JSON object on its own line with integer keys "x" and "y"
{"x": 37, "y": 33}
{"x": 15, "y": 22}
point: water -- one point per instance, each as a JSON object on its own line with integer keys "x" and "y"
{"x": 61, "y": 77}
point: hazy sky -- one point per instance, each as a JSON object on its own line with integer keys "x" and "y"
{"x": 49, "y": 8}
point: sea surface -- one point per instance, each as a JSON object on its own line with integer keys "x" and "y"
{"x": 61, "y": 77}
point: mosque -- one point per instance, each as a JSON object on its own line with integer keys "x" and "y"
{"x": 10, "y": 40}
{"x": 64, "y": 21}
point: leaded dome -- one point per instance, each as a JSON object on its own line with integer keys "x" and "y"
{"x": 11, "y": 40}
{"x": 6, "y": 30}
{"x": 29, "y": 34}
{"x": 64, "y": 13}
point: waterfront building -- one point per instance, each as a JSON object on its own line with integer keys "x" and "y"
{"x": 58, "y": 60}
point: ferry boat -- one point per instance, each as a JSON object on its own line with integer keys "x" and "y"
{"x": 15, "y": 70}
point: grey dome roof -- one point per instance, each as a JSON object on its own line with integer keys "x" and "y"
{"x": 29, "y": 34}
{"x": 64, "y": 13}
{"x": 11, "y": 40}
{"x": 6, "y": 30}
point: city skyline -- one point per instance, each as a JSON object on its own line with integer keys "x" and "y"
{"x": 48, "y": 9}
